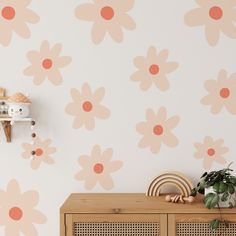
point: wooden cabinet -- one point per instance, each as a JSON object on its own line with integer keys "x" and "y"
{"x": 138, "y": 215}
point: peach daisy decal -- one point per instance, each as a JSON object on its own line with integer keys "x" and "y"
{"x": 39, "y": 152}
{"x": 97, "y": 168}
{"x": 211, "y": 151}
{"x": 217, "y": 16}
{"x": 14, "y": 16}
{"x": 46, "y": 63}
{"x": 86, "y": 106}
{"x": 221, "y": 93}
{"x": 17, "y": 211}
{"x": 153, "y": 69}
{"x": 108, "y": 16}
{"x": 157, "y": 129}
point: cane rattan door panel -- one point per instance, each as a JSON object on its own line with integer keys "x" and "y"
{"x": 113, "y": 225}
{"x": 198, "y": 225}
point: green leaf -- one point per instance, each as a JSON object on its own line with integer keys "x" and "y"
{"x": 231, "y": 189}
{"x": 214, "y": 224}
{"x": 225, "y": 197}
{"x": 222, "y": 187}
{"x": 226, "y": 223}
{"x": 211, "y": 200}
{"x": 216, "y": 187}
{"x": 233, "y": 180}
{"x": 204, "y": 174}
{"x": 231, "y": 205}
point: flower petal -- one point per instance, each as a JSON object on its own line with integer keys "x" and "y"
{"x": 77, "y": 123}
{"x": 90, "y": 182}
{"x": 171, "y": 66}
{"x": 107, "y": 154}
{"x": 99, "y": 94}
{"x": 63, "y": 61}
{"x": 229, "y": 29}
{"x": 102, "y": 112}
{"x": 170, "y": 140}
{"x": 115, "y": 32}
{"x": 195, "y": 17}
{"x": 86, "y": 12}
{"x": 98, "y": 32}
{"x": 86, "y": 90}
{"x": 145, "y": 84}
{"x": 127, "y": 22}
{"x": 212, "y": 33}
{"x": 142, "y": 128}
{"x": 29, "y": 229}
{"x": 29, "y": 199}
{"x": 155, "y": 147}
{"x": 35, "y": 163}
{"x": 106, "y": 182}
{"x": 37, "y": 217}
{"x": 31, "y": 16}
{"x": 172, "y": 122}
{"x": 55, "y": 78}
{"x": 75, "y": 94}
{"x": 114, "y": 166}
{"x": 72, "y": 109}
{"x": 162, "y": 83}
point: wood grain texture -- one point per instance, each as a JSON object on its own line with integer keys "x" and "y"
{"x": 127, "y": 203}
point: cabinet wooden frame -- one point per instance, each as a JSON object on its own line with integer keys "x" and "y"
{"x": 136, "y": 207}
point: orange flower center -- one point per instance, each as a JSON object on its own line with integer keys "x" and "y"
{"x": 107, "y": 13}
{"x": 215, "y": 13}
{"x": 47, "y": 63}
{"x": 8, "y": 13}
{"x": 98, "y": 168}
{"x": 15, "y": 213}
{"x": 158, "y": 130}
{"x": 154, "y": 69}
{"x": 39, "y": 152}
{"x": 224, "y": 92}
{"x": 87, "y": 106}
{"x": 211, "y": 152}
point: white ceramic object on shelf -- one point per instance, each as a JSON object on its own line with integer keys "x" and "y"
{"x": 18, "y": 106}
{"x": 18, "y": 110}
{"x": 222, "y": 204}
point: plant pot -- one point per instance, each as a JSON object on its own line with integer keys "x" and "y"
{"x": 221, "y": 203}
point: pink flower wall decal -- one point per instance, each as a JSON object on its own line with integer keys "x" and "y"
{"x": 14, "y": 16}
{"x": 39, "y": 152}
{"x": 108, "y": 16}
{"x": 97, "y": 168}
{"x": 216, "y": 15}
{"x": 222, "y": 93}
{"x": 46, "y": 63}
{"x": 17, "y": 211}
{"x": 157, "y": 129}
{"x": 153, "y": 69}
{"x": 211, "y": 151}
{"x": 86, "y": 107}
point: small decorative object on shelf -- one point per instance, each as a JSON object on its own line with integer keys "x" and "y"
{"x": 14, "y": 109}
{"x": 18, "y": 106}
{"x": 179, "y": 198}
{"x": 173, "y": 178}
{"x": 219, "y": 189}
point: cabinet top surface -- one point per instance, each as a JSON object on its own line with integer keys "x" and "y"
{"x": 110, "y": 203}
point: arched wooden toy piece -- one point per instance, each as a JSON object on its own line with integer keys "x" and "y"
{"x": 170, "y": 178}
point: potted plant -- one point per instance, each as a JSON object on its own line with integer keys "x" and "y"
{"x": 219, "y": 189}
